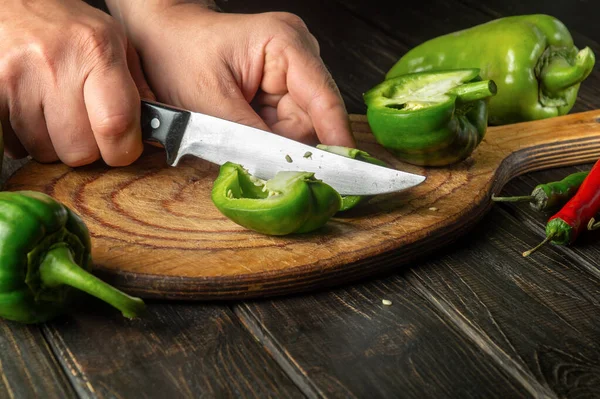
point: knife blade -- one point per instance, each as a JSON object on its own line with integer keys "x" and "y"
{"x": 263, "y": 154}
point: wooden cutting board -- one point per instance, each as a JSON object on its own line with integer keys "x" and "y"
{"x": 156, "y": 233}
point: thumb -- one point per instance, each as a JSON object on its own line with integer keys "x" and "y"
{"x": 113, "y": 105}
{"x": 240, "y": 111}
{"x": 226, "y": 101}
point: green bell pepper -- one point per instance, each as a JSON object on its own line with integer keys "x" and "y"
{"x": 430, "y": 118}
{"x": 531, "y": 58}
{"x": 291, "y": 202}
{"x": 350, "y": 201}
{"x": 45, "y": 252}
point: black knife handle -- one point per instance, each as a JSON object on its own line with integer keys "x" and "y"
{"x": 164, "y": 124}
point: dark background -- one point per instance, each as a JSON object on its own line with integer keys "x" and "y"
{"x": 474, "y": 320}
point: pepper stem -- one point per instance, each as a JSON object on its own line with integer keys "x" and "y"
{"x": 593, "y": 225}
{"x": 559, "y": 74}
{"x": 523, "y": 198}
{"x": 58, "y": 268}
{"x": 541, "y": 244}
{"x": 475, "y": 91}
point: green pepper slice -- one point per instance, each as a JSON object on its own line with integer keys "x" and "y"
{"x": 430, "y": 118}
{"x": 531, "y": 58}
{"x": 350, "y": 201}
{"x": 291, "y": 202}
{"x": 45, "y": 250}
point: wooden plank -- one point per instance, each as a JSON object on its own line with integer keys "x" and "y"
{"x": 298, "y": 328}
{"x": 346, "y": 343}
{"x": 176, "y": 351}
{"x": 541, "y": 311}
{"x": 586, "y": 250}
{"x": 28, "y": 368}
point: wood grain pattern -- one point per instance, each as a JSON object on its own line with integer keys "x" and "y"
{"x": 586, "y": 250}
{"x": 157, "y": 234}
{"x": 539, "y": 313}
{"x": 28, "y": 369}
{"x": 345, "y": 343}
{"x": 175, "y": 351}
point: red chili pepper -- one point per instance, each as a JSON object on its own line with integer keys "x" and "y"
{"x": 578, "y": 214}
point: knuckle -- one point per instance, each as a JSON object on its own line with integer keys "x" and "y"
{"x": 290, "y": 19}
{"x": 9, "y": 77}
{"x": 44, "y": 56}
{"x": 12, "y": 64}
{"x": 80, "y": 158}
{"x": 78, "y": 147}
{"x": 97, "y": 42}
{"x": 113, "y": 127}
{"x": 292, "y": 28}
{"x": 45, "y": 156}
{"x": 286, "y": 23}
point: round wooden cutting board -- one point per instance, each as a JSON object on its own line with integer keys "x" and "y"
{"x": 156, "y": 233}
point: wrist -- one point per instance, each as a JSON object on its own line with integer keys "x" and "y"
{"x": 135, "y": 15}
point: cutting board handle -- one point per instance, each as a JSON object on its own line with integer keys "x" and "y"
{"x": 560, "y": 141}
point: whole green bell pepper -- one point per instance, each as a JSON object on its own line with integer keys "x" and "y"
{"x": 430, "y": 118}
{"x": 291, "y": 202}
{"x": 531, "y": 58}
{"x": 350, "y": 201}
{"x": 44, "y": 253}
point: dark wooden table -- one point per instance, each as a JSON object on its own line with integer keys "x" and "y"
{"x": 474, "y": 320}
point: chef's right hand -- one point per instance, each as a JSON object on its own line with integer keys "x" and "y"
{"x": 70, "y": 84}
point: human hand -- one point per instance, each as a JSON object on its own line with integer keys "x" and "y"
{"x": 69, "y": 85}
{"x": 221, "y": 64}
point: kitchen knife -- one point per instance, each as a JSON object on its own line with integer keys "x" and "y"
{"x": 263, "y": 153}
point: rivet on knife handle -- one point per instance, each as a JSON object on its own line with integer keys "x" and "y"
{"x": 165, "y": 125}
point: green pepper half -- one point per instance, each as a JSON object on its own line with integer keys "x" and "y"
{"x": 291, "y": 202}
{"x": 531, "y": 58}
{"x": 44, "y": 253}
{"x": 430, "y": 118}
{"x": 350, "y": 201}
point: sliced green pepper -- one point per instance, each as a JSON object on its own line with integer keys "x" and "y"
{"x": 45, "y": 251}
{"x": 531, "y": 58}
{"x": 430, "y": 118}
{"x": 291, "y": 202}
{"x": 350, "y": 201}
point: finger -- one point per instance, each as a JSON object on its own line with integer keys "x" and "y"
{"x": 269, "y": 115}
{"x": 269, "y": 99}
{"x": 137, "y": 73}
{"x": 25, "y": 130}
{"x": 293, "y": 122}
{"x": 112, "y": 101}
{"x": 69, "y": 128}
{"x": 265, "y": 105}
{"x": 225, "y": 100}
{"x": 314, "y": 90}
{"x": 12, "y": 146}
